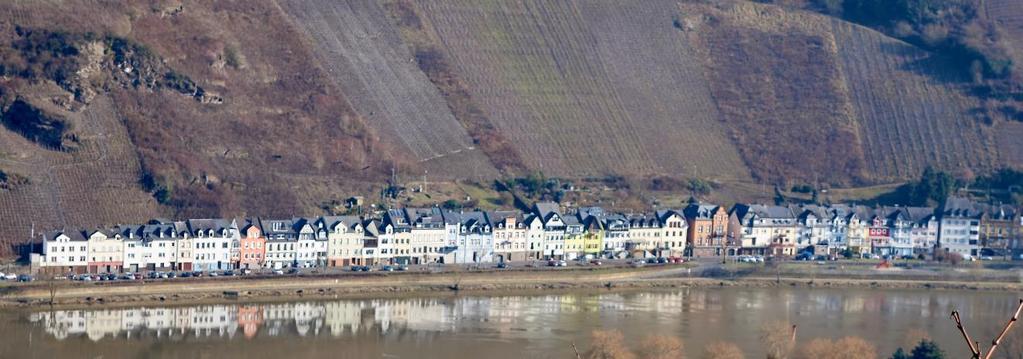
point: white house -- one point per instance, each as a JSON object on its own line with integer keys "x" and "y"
{"x": 65, "y": 251}
{"x": 959, "y": 227}
{"x": 281, "y": 239}
{"x": 212, "y": 240}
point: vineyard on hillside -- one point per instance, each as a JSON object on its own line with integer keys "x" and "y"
{"x": 908, "y": 118}
{"x": 96, "y": 185}
{"x": 1008, "y": 14}
{"x": 570, "y": 87}
{"x": 360, "y": 50}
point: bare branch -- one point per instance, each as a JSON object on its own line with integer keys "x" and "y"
{"x": 959, "y": 325}
{"x": 1015, "y": 317}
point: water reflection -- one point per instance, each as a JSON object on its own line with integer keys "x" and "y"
{"x": 549, "y": 322}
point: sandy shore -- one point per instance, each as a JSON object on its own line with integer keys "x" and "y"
{"x": 183, "y": 292}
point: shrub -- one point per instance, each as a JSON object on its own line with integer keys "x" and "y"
{"x": 722, "y": 350}
{"x": 608, "y": 344}
{"x": 845, "y": 348}
{"x": 927, "y": 349}
{"x": 803, "y": 188}
{"x": 661, "y": 347}
{"x": 451, "y": 204}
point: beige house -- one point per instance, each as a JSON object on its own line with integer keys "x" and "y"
{"x": 510, "y": 236}
{"x": 105, "y": 252}
{"x": 345, "y": 237}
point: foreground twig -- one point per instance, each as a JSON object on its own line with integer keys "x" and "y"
{"x": 1015, "y": 317}
{"x": 576, "y": 349}
{"x": 975, "y": 346}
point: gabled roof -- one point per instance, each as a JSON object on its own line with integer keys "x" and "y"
{"x": 546, "y": 209}
{"x": 77, "y": 236}
{"x": 999, "y": 212}
{"x": 593, "y": 223}
{"x": 217, "y": 225}
{"x": 427, "y": 218}
{"x": 644, "y": 220}
{"x": 960, "y": 207}
{"x": 499, "y": 218}
{"x": 700, "y": 211}
{"x": 330, "y": 223}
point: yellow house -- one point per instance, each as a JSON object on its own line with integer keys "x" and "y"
{"x": 574, "y": 243}
{"x": 593, "y": 236}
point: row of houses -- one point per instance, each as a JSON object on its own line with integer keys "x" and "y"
{"x": 546, "y": 231}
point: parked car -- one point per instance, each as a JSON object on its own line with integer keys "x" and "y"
{"x": 229, "y": 273}
{"x": 111, "y": 276}
{"x": 246, "y": 271}
{"x": 651, "y": 261}
{"x": 367, "y": 269}
{"x": 402, "y": 268}
{"x": 24, "y": 278}
{"x": 278, "y": 272}
{"x": 908, "y": 257}
{"x": 804, "y": 256}
{"x": 153, "y": 275}
{"x": 387, "y": 269}
{"x": 293, "y": 271}
{"x": 502, "y": 265}
{"x": 552, "y": 263}
{"x": 172, "y": 275}
{"x": 562, "y": 264}
{"x": 638, "y": 263}
{"x": 186, "y": 274}
{"x": 128, "y": 276}
{"x": 662, "y": 260}
{"x": 596, "y": 262}
{"x": 355, "y": 268}
{"x": 11, "y": 276}
{"x": 987, "y": 258}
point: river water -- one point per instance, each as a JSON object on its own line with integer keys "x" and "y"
{"x": 539, "y": 326}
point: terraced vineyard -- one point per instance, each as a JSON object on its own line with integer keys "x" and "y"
{"x": 97, "y": 185}
{"x": 908, "y": 118}
{"x": 1009, "y": 16}
{"x": 358, "y": 47}
{"x": 572, "y": 88}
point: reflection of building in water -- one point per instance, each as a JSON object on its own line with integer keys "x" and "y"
{"x": 308, "y": 318}
{"x": 215, "y": 320}
{"x": 387, "y": 314}
{"x": 218, "y": 320}
{"x": 250, "y": 318}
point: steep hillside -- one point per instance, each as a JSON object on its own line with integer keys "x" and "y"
{"x": 115, "y": 111}
{"x": 360, "y": 50}
{"x": 283, "y": 141}
{"x": 555, "y": 78}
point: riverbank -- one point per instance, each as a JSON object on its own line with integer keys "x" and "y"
{"x": 215, "y": 290}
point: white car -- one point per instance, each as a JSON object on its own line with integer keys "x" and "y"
{"x": 11, "y": 276}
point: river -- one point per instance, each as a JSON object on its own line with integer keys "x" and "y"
{"x": 538, "y": 326}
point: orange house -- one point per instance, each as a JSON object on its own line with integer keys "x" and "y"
{"x": 252, "y": 253}
{"x": 708, "y": 230}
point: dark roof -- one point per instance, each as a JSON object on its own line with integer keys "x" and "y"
{"x": 960, "y": 207}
